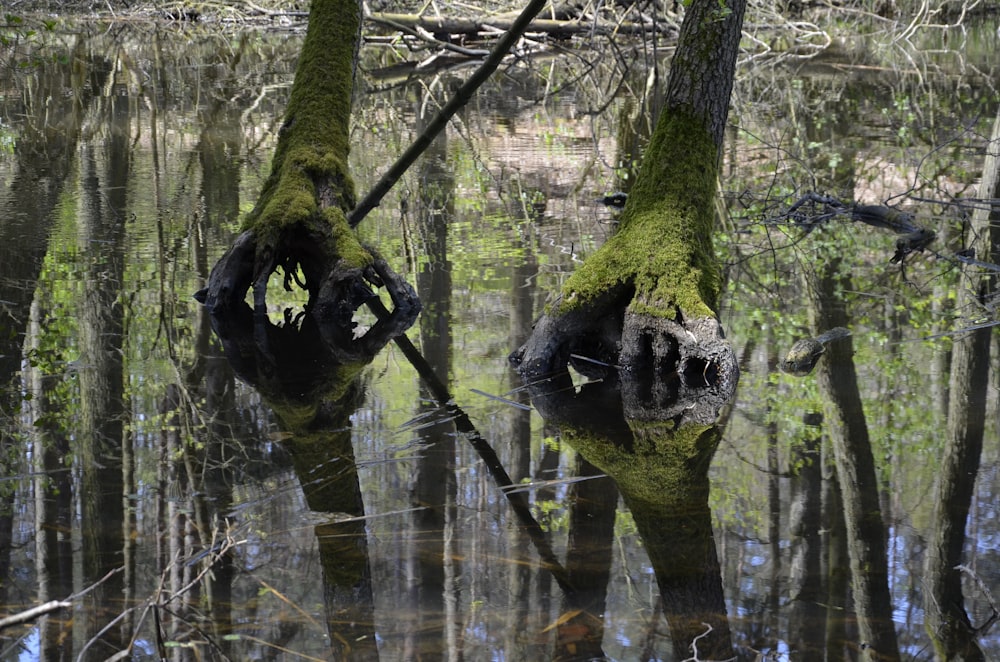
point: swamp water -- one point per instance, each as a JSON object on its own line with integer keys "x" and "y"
{"x": 135, "y": 459}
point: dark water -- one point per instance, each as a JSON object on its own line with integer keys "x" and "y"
{"x": 135, "y": 459}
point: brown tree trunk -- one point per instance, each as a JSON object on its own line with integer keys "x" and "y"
{"x": 947, "y": 622}
{"x": 866, "y": 535}
{"x": 646, "y": 300}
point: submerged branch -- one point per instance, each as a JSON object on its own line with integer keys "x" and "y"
{"x": 494, "y": 465}
{"x": 34, "y": 612}
{"x": 52, "y": 605}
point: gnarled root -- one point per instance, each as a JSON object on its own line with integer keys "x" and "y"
{"x": 682, "y": 367}
{"x": 667, "y": 366}
{"x": 337, "y": 287}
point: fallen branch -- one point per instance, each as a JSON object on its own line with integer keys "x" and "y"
{"x": 53, "y": 605}
{"x": 423, "y": 35}
{"x": 912, "y": 237}
{"x": 474, "y": 26}
{"x": 33, "y": 613}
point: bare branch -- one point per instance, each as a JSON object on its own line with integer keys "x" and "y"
{"x": 437, "y": 125}
{"x": 33, "y": 613}
{"x": 52, "y": 605}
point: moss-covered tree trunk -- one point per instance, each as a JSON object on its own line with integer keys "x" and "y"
{"x": 660, "y": 465}
{"x": 646, "y": 300}
{"x": 299, "y": 223}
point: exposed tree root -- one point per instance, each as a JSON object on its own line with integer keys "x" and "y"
{"x": 668, "y": 368}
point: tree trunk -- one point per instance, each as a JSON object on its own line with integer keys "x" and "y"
{"x": 646, "y": 300}
{"x": 103, "y": 417}
{"x": 807, "y": 616}
{"x": 590, "y": 549}
{"x": 947, "y": 622}
{"x": 299, "y": 223}
{"x": 323, "y": 457}
{"x": 866, "y": 535}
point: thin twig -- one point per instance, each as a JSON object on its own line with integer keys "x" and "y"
{"x": 694, "y": 647}
{"x": 52, "y": 605}
{"x": 985, "y": 590}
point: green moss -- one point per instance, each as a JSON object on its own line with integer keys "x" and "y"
{"x": 663, "y": 246}
{"x": 298, "y": 412}
{"x": 313, "y": 146}
{"x": 662, "y": 462}
{"x": 345, "y": 239}
{"x": 294, "y": 415}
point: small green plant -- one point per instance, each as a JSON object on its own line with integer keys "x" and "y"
{"x": 723, "y": 12}
{"x": 15, "y": 32}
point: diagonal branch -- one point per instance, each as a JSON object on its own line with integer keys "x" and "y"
{"x": 517, "y": 500}
{"x": 437, "y": 125}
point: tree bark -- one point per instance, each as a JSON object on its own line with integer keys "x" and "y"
{"x": 299, "y": 223}
{"x": 646, "y": 300}
{"x": 947, "y": 622}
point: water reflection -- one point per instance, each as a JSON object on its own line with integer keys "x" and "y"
{"x": 128, "y": 441}
{"x": 660, "y": 465}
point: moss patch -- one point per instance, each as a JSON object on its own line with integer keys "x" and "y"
{"x": 663, "y": 246}
{"x": 346, "y": 241}
{"x": 662, "y": 463}
{"x": 297, "y": 412}
{"x": 309, "y": 169}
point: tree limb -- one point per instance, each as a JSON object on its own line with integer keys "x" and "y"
{"x": 467, "y": 26}
{"x": 52, "y": 605}
{"x": 437, "y": 125}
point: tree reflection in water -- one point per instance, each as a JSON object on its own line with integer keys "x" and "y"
{"x": 309, "y": 373}
{"x": 658, "y": 455}
{"x": 660, "y": 465}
